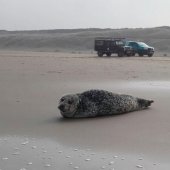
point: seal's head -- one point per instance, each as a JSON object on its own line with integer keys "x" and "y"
{"x": 68, "y": 105}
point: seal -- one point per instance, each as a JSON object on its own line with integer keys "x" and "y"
{"x": 94, "y": 103}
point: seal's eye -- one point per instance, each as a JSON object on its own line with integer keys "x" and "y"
{"x": 62, "y": 99}
{"x": 70, "y": 102}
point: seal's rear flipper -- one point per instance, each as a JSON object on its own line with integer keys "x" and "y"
{"x": 144, "y": 103}
{"x": 150, "y": 101}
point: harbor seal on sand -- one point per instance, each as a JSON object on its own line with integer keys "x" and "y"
{"x": 94, "y": 103}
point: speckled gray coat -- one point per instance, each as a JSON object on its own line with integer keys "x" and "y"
{"x": 100, "y": 102}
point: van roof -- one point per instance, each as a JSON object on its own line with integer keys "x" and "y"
{"x": 109, "y": 38}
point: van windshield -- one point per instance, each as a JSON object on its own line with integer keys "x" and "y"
{"x": 143, "y": 44}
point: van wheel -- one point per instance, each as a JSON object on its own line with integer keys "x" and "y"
{"x": 120, "y": 54}
{"x": 100, "y": 54}
{"x": 140, "y": 54}
{"x": 150, "y": 55}
{"x": 133, "y": 54}
{"x": 108, "y": 54}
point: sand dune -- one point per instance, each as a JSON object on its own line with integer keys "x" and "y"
{"x": 80, "y": 39}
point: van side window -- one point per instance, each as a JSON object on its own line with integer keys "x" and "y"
{"x": 119, "y": 43}
{"x": 99, "y": 43}
{"x": 113, "y": 43}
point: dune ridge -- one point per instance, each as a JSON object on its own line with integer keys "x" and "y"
{"x": 65, "y": 40}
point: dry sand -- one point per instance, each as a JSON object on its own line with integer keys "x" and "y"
{"x": 33, "y": 135}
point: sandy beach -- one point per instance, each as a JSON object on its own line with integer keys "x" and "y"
{"x": 33, "y": 135}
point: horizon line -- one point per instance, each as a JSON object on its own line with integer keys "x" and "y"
{"x": 87, "y": 28}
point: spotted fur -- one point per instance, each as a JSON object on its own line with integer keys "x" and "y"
{"x": 94, "y": 103}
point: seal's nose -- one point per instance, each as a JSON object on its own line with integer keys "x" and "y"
{"x": 61, "y": 107}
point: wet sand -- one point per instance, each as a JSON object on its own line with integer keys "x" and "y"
{"x": 31, "y": 83}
